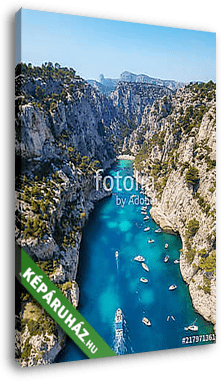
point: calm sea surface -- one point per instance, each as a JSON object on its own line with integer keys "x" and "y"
{"x": 107, "y": 283}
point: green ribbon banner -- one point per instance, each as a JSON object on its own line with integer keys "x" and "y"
{"x": 61, "y": 310}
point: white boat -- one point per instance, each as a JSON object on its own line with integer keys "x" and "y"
{"x": 139, "y": 258}
{"x": 143, "y": 212}
{"x": 172, "y": 287}
{"x": 147, "y": 228}
{"x": 166, "y": 258}
{"x": 116, "y": 254}
{"x": 118, "y": 323}
{"x": 144, "y": 208}
{"x": 150, "y": 240}
{"x": 145, "y": 267}
{"x": 158, "y": 230}
{"x": 146, "y": 218}
{"x": 146, "y": 321}
{"x": 192, "y": 327}
{"x": 144, "y": 280}
{"x": 166, "y": 245}
{"x": 176, "y": 261}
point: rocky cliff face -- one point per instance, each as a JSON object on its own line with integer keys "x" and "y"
{"x": 65, "y": 131}
{"x": 133, "y": 98}
{"x": 175, "y": 152}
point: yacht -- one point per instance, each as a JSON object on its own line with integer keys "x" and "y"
{"x": 147, "y": 228}
{"x": 119, "y": 323}
{"x": 146, "y": 218}
{"x": 158, "y": 230}
{"x": 150, "y": 240}
{"x": 116, "y": 254}
{"x": 176, "y": 261}
{"x": 146, "y": 321}
{"x": 139, "y": 258}
{"x": 143, "y": 212}
{"x": 145, "y": 267}
{"x": 144, "y": 280}
{"x": 166, "y": 245}
{"x": 166, "y": 258}
{"x": 172, "y": 287}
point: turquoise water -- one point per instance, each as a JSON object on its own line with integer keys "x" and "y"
{"x": 107, "y": 284}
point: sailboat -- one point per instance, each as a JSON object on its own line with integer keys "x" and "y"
{"x": 192, "y": 327}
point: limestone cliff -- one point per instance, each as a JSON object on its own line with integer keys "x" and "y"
{"x": 143, "y": 78}
{"x": 64, "y": 131}
{"x": 175, "y": 152}
{"x": 108, "y": 85}
{"x": 133, "y": 98}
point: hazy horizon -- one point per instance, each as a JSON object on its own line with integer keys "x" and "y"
{"x": 94, "y": 46}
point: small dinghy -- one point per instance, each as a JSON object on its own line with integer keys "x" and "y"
{"x": 173, "y": 287}
{"x": 146, "y": 321}
{"x": 144, "y": 280}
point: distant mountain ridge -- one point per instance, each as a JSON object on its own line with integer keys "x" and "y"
{"x": 108, "y": 85}
{"x": 131, "y": 77}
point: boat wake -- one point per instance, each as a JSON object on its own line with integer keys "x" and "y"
{"x": 117, "y": 264}
{"x": 122, "y": 342}
{"x": 120, "y": 346}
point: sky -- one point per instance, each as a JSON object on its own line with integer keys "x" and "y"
{"x": 93, "y": 46}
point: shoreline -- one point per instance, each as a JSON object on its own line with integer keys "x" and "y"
{"x": 125, "y": 157}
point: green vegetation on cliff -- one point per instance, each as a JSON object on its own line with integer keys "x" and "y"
{"x": 82, "y": 132}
